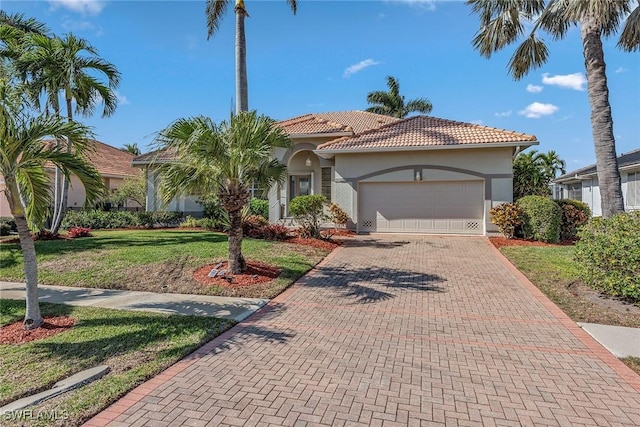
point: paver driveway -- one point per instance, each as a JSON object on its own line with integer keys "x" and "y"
{"x": 396, "y": 330}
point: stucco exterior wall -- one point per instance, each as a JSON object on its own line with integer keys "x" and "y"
{"x": 491, "y": 165}
{"x": 186, "y": 204}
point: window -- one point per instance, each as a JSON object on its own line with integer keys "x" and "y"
{"x": 575, "y": 191}
{"x": 633, "y": 190}
{"x": 326, "y": 183}
{"x": 256, "y": 192}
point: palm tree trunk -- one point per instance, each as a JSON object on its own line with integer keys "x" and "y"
{"x": 63, "y": 202}
{"x": 601, "y": 120}
{"x": 242, "y": 92}
{"x": 237, "y": 264}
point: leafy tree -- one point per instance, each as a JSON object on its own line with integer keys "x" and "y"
{"x": 215, "y": 9}
{"x": 132, "y": 149}
{"x": 392, "y": 104}
{"x": 133, "y": 188}
{"x": 23, "y": 161}
{"x": 533, "y": 172}
{"x": 223, "y": 159}
{"x": 67, "y": 66}
{"x": 503, "y": 23}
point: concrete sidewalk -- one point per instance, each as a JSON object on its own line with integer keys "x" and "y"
{"x": 237, "y": 309}
{"x": 622, "y": 342}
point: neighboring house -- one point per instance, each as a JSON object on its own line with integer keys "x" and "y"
{"x": 415, "y": 175}
{"x": 582, "y": 184}
{"x": 113, "y": 164}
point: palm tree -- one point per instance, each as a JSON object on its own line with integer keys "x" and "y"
{"x": 67, "y": 65}
{"x": 503, "y": 23}
{"x": 223, "y": 159}
{"x": 131, "y": 149}
{"x": 23, "y": 161}
{"x": 551, "y": 164}
{"x": 215, "y": 9}
{"x": 533, "y": 172}
{"x": 392, "y": 104}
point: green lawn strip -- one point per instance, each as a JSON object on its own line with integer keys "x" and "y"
{"x": 136, "y": 345}
{"x": 553, "y": 271}
{"x": 154, "y": 260}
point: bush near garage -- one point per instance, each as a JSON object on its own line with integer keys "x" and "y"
{"x": 574, "y": 214}
{"x": 608, "y": 254}
{"x": 542, "y": 218}
{"x": 507, "y": 217}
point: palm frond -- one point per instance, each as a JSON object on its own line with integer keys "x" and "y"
{"x": 215, "y": 9}
{"x": 420, "y": 105}
{"x": 630, "y": 36}
{"x": 607, "y": 15}
{"x": 531, "y": 54}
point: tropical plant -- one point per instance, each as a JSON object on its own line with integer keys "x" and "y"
{"x": 132, "y": 149}
{"x": 392, "y": 104}
{"x": 503, "y": 23}
{"x": 507, "y": 217}
{"x": 308, "y": 211}
{"x": 215, "y": 9}
{"x": 53, "y": 65}
{"x": 541, "y": 218}
{"x": 132, "y": 188}
{"x": 24, "y": 157}
{"x": 224, "y": 159}
{"x": 533, "y": 172}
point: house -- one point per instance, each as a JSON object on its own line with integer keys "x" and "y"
{"x": 582, "y": 184}
{"x": 113, "y": 164}
{"x": 416, "y": 175}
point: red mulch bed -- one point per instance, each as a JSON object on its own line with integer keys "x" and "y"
{"x": 14, "y": 333}
{"x": 500, "y": 242}
{"x": 257, "y": 272}
{"x": 316, "y": 243}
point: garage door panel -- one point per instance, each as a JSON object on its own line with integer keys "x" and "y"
{"x": 426, "y": 207}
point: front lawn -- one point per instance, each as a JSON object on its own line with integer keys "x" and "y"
{"x": 553, "y": 271}
{"x": 156, "y": 261}
{"x": 135, "y": 345}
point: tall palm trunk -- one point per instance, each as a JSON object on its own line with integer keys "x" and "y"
{"x": 33, "y": 317}
{"x": 242, "y": 91}
{"x": 601, "y": 120}
{"x": 62, "y": 189}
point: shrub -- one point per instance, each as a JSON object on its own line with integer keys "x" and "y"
{"x": 161, "y": 219}
{"x": 270, "y": 232}
{"x": 189, "y": 222}
{"x": 7, "y": 226}
{"x": 541, "y": 218}
{"x": 337, "y": 215}
{"x": 252, "y": 222}
{"x": 77, "y": 232}
{"x": 582, "y": 206}
{"x": 507, "y": 217}
{"x": 574, "y": 214}
{"x": 45, "y": 235}
{"x": 211, "y": 207}
{"x": 208, "y": 223}
{"x": 308, "y": 211}
{"x": 608, "y": 254}
{"x": 259, "y": 207}
{"x": 97, "y": 219}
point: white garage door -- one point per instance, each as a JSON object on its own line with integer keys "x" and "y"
{"x": 421, "y": 207}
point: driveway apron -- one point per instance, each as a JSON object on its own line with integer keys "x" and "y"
{"x": 396, "y": 330}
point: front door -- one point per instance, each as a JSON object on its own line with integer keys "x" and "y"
{"x": 299, "y": 185}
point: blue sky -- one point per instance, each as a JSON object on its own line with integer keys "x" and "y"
{"x": 327, "y": 58}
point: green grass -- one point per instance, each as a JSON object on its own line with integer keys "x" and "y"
{"x": 135, "y": 345}
{"x": 153, "y": 260}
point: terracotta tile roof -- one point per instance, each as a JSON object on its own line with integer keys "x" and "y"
{"x": 157, "y": 155}
{"x": 632, "y": 158}
{"x": 424, "y": 131}
{"x": 343, "y": 121}
{"x": 109, "y": 160}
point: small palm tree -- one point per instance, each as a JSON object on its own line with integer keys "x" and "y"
{"x": 533, "y": 172}
{"x": 504, "y": 22}
{"x": 223, "y": 159}
{"x": 215, "y": 9}
{"x": 131, "y": 149}
{"x": 23, "y": 161}
{"x": 392, "y": 104}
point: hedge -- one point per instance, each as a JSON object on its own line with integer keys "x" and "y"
{"x": 542, "y": 218}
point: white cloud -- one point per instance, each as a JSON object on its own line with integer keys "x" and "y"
{"x": 359, "y": 67}
{"x": 537, "y": 110}
{"x": 503, "y": 114}
{"x": 122, "y": 99}
{"x": 575, "y": 81}
{"x": 534, "y": 88}
{"x": 429, "y": 5}
{"x": 477, "y": 122}
{"x": 87, "y": 7}
{"x": 621, "y": 70}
